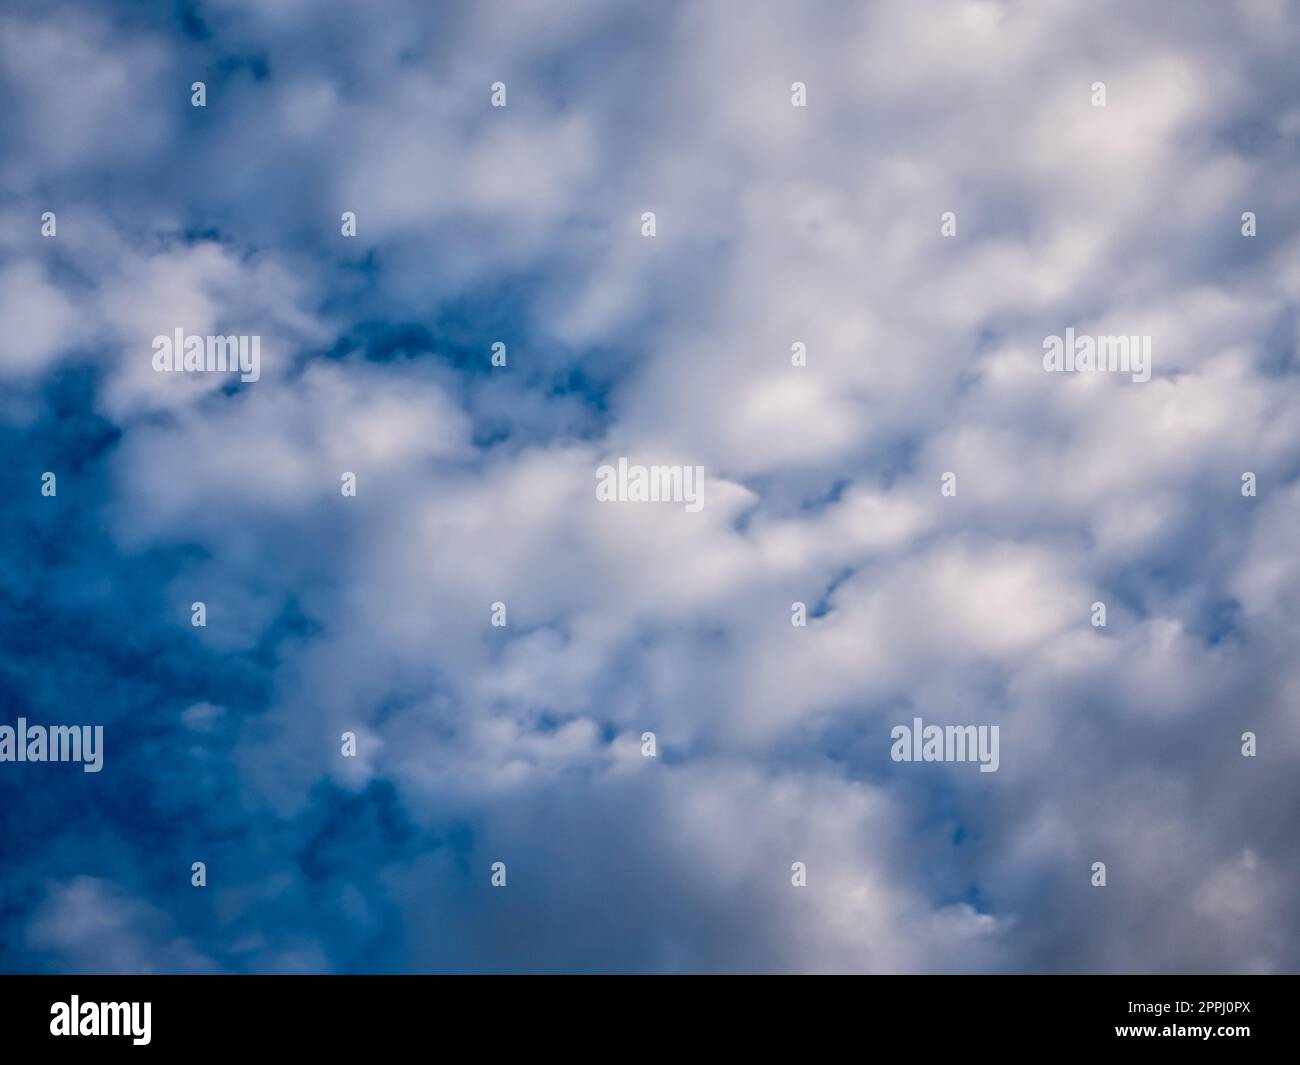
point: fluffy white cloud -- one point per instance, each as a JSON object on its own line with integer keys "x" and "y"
{"x": 776, "y": 225}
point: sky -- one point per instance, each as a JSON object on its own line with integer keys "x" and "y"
{"x": 919, "y": 195}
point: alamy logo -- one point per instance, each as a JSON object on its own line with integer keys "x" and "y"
{"x": 196, "y": 354}
{"x": 53, "y": 743}
{"x": 1089, "y": 354}
{"x": 651, "y": 484}
{"x": 102, "y": 1018}
{"x": 946, "y": 743}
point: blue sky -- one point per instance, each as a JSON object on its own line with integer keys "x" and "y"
{"x": 522, "y": 744}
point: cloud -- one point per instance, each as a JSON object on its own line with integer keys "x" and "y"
{"x": 371, "y": 615}
{"x": 87, "y": 925}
